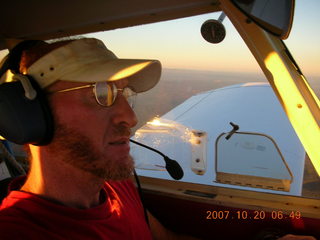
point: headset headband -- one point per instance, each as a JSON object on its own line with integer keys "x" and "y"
{"x": 13, "y": 59}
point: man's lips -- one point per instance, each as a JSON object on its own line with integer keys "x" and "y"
{"x": 120, "y": 146}
{"x": 120, "y": 141}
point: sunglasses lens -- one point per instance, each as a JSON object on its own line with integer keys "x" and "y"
{"x": 105, "y": 93}
{"x": 130, "y": 95}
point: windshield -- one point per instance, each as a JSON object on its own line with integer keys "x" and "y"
{"x": 186, "y": 59}
{"x": 191, "y": 67}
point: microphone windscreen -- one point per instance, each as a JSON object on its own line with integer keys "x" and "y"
{"x": 173, "y": 168}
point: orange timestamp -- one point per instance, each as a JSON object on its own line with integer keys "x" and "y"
{"x": 254, "y": 215}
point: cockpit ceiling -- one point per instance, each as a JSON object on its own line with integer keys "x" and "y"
{"x": 34, "y": 19}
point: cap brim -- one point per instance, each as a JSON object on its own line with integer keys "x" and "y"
{"x": 142, "y": 74}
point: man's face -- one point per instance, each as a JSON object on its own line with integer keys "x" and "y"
{"x": 92, "y": 137}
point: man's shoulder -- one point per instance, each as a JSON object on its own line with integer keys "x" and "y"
{"x": 15, "y": 226}
{"x": 11, "y": 212}
{"x": 12, "y": 223}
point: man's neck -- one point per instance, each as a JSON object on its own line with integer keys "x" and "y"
{"x": 60, "y": 182}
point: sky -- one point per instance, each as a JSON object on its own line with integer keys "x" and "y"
{"x": 179, "y": 44}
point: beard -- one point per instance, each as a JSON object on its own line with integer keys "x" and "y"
{"x": 77, "y": 150}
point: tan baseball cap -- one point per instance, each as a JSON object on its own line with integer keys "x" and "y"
{"x": 88, "y": 60}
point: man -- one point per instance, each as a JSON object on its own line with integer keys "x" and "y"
{"x": 77, "y": 186}
{"x": 65, "y": 195}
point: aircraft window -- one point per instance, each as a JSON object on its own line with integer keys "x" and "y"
{"x": 306, "y": 33}
{"x": 2, "y": 54}
{"x": 194, "y": 69}
{"x": 187, "y": 59}
{"x": 311, "y": 181}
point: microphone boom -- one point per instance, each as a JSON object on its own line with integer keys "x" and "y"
{"x": 172, "y": 166}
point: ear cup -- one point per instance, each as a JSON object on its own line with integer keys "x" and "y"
{"x": 23, "y": 120}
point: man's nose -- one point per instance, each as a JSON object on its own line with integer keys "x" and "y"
{"x": 124, "y": 114}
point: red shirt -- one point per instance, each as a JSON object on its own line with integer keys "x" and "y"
{"x": 27, "y": 216}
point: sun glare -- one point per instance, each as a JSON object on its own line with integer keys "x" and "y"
{"x": 127, "y": 72}
{"x": 296, "y": 108}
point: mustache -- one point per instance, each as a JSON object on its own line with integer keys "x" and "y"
{"x": 123, "y": 131}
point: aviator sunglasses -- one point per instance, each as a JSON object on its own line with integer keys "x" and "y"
{"x": 106, "y": 93}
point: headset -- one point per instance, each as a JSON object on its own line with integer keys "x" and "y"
{"x": 25, "y": 115}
